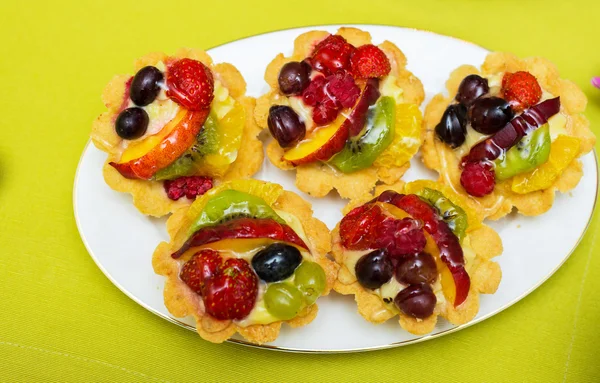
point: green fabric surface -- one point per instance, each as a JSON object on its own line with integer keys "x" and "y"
{"x": 62, "y": 320}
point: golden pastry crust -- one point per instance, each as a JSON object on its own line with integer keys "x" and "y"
{"x": 318, "y": 179}
{"x": 485, "y": 274}
{"x": 181, "y": 301}
{"x": 149, "y": 197}
{"x": 501, "y": 201}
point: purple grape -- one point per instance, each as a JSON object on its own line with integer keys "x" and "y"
{"x": 374, "y": 269}
{"x": 452, "y": 129}
{"x": 145, "y": 86}
{"x": 294, "y": 77}
{"x": 490, "y": 114}
{"x": 416, "y": 268}
{"x": 471, "y": 88}
{"x": 417, "y": 301}
{"x": 285, "y": 125}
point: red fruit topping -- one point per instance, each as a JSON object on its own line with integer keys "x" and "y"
{"x": 231, "y": 293}
{"x": 400, "y": 236}
{"x": 521, "y": 89}
{"x": 200, "y": 268}
{"x": 478, "y": 178}
{"x": 332, "y": 54}
{"x": 359, "y": 228}
{"x": 242, "y": 228}
{"x": 368, "y": 61}
{"x": 325, "y": 113}
{"x": 531, "y": 119}
{"x": 342, "y": 88}
{"x": 190, "y": 84}
{"x": 313, "y": 94}
{"x": 191, "y": 187}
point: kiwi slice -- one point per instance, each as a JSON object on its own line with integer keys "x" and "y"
{"x": 452, "y": 214}
{"x": 231, "y": 204}
{"x": 360, "y": 153}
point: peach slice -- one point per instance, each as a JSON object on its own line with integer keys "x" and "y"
{"x": 322, "y": 145}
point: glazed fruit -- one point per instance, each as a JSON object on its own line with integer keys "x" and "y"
{"x": 417, "y": 301}
{"x": 231, "y": 292}
{"x": 360, "y": 153}
{"x": 190, "y": 84}
{"x": 490, "y": 114}
{"x": 294, "y": 77}
{"x": 368, "y": 61}
{"x": 285, "y": 125}
{"x": 400, "y": 236}
{"x": 242, "y": 228}
{"x": 452, "y": 214}
{"x": 132, "y": 123}
{"x": 374, "y": 269}
{"x": 145, "y": 86}
{"x": 407, "y": 137}
{"x": 358, "y": 229}
{"x": 521, "y": 89}
{"x": 529, "y": 153}
{"x": 452, "y": 129}
{"x": 416, "y": 268}
{"x": 314, "y": 93}
{"x": 283, "y": 301}
{"x": 276, "y": 262}
{"x": 471, "y": 88}
{"x": 190, "y": 187}
{"x": 531, "y": 119}
{"x": 311, "y": 280}
{"x": 332, "y": 54}
{"x": 202, "y": 266}
{"x": 342, "y": 89}
{"x": 478, "y": 178}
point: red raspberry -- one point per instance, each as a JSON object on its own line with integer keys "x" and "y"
{"x": 314, "y": 93}
{"x": 368, "y": 61}
{"x": 332, "y": 54}
{"x": 521, "y": 89}
{"x": 358, "y": 229}
{"x": 231, "y": 293}
{"x": 401, "y": 236}
{"x": 200, "y": 268}
{"x": 342, "y": 88}
{"x": 191, "y": 187}
{"x": 325, "y": 112}
{"x": 478, "y": 178}
{"x": 190, "y": 84}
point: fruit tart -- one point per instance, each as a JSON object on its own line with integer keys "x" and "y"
{"x": 343, "y": 112}
{"x": 508, "y": 135}
{"x": 418, "y": 251}
{"x": 176, "y": 128}
{"x": 245, "y": 257}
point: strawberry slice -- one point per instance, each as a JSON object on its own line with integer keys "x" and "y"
{"x": 368, "y": 61}
{"x": 200, "y": 268}
{"x": 190, "y": 84}
{"x": 521, "y": 89}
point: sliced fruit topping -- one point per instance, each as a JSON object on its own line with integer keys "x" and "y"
{"x": 490, "y": 114}
{"x": 332, "y": 54}
{"x": 230, "y": 204}
{"x": 311, "y": 280}
{"x": 200, "y": 268}
{"x": 231, "y": 292}
{"x": 521, "y": 89}
{"x": 471, "y": 88}
{"x": 531, "y": 119}
{"x": 360, "y": 153}
{"x": 358, "y": 116}
{"x": 452, "y": 128}
{"x": 191, "y": 187}
{"x": 276, "y": 262}
{"x": 132, "y": 123}
{"x": 374, "y": 269}
{"x": 562, "y": 152}
{"x": 417, "y": 301}
{"x": 452, "y": 214}
{"x": 314, "y": 93}
{"x": 407, "y": 137}
{"x": 285, "y": 125}
{"x": 529, "y": 153}
{"x": 342, "y": 89}
{"x": 400, "y": 236}
{"x": 416, "y": 268}
{"x": 283, "y": 300}
{"x": 183, "y": 130}
{"x": 145, "y": 86}
{"x": 294, "y": 77}
{"x": 478, "y": 178}
{"x": 368, "y": 61}
{"x": 242, "y": 228}
{"x": 358, "y": 229}
{"x": 190, "y": 84}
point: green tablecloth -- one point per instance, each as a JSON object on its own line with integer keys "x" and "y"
{"x": 62, "y": 320}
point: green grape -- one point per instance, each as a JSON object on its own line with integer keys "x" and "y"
{"x": 283, "y": 301}
{"x": 310, "y": 280}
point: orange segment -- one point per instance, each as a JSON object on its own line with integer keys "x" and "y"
{"x": 407, "y": 138}
{"x": 562, "y": 152}
{"x": 316, "y": 140}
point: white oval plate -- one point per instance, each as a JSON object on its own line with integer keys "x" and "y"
{"x": 121, "y": 240}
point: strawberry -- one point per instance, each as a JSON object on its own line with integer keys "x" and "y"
{"x": 231, "y": 293}
{"x": 332, "y": 54}
{"x": 190, "y": 84}
{"x": 521, "y": 89}
{"x": 358, "y": 229}
{"x": 200, "y": 268}
{"x": 368, "y": 61}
